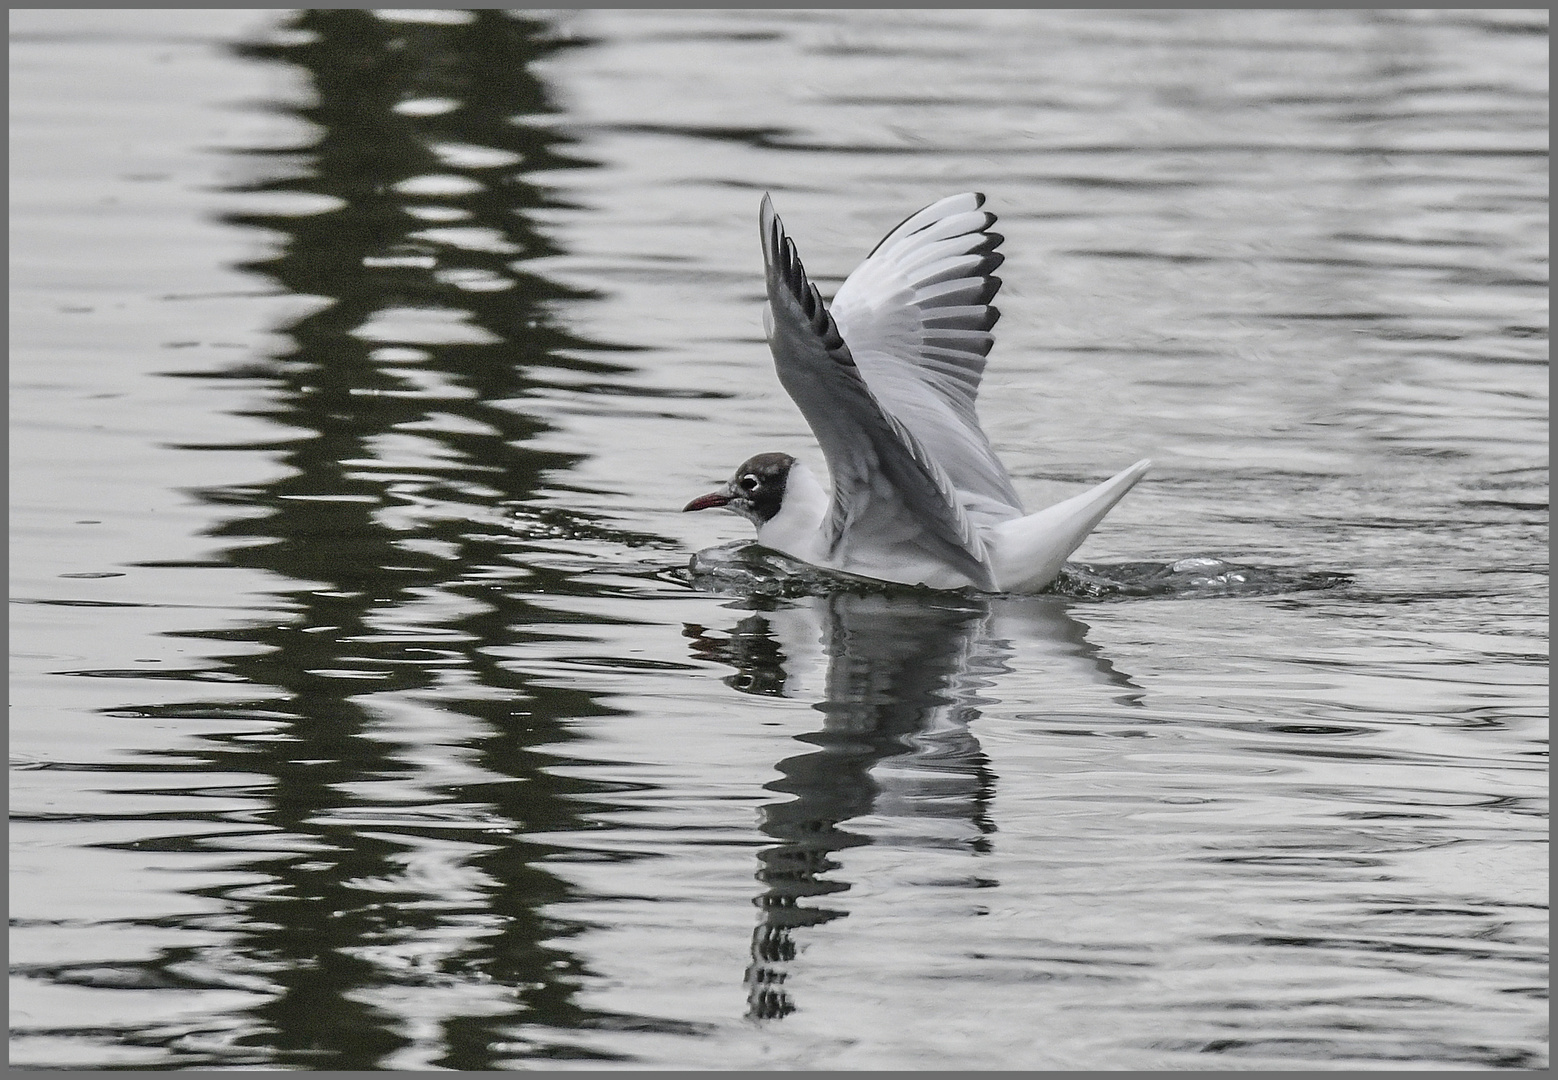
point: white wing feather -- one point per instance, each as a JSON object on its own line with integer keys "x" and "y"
{"x": 886, "y": 487}
{"x": 916, "y": 316}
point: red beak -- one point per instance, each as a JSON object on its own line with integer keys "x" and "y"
{"x": 703, "y": 502}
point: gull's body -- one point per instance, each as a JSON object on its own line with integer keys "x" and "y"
{"x": 887, "y": 378}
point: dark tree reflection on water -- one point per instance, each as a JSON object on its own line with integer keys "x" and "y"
{"x": 399, "y": 519}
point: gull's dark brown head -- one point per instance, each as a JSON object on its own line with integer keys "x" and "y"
{"x": 756, "y": 491}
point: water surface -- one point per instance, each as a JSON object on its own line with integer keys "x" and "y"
{"x": 366, "y": 712}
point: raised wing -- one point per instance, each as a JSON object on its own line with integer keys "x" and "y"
{"x": 887, "y": 491}
{"x": 917, "y": 316}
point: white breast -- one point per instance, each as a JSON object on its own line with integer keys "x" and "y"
{"x": 796, "y": 530}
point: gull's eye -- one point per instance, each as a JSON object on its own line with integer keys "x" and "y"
{"x": 747, "y": 483}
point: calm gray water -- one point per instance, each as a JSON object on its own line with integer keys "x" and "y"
{"x": 365, "y": 713}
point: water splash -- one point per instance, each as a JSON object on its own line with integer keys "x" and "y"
{"x": 744, "y": 567}
{"x": 1197, "y": 577}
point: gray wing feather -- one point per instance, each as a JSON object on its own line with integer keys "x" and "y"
{"x": 917, "y": 316}
{"x": 884, "y": 482}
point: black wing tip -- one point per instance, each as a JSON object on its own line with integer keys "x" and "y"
{"x": 783, "y": 260}
{"x": 987, "y": 290}
{"x": 979, "y": 201}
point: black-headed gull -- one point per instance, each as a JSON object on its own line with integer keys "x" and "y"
{"x": 887, "y": 379}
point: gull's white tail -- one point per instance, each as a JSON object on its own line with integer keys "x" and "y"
{"x": 1027, "y": 552}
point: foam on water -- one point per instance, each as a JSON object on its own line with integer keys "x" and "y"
{"x": 745, "y": 568}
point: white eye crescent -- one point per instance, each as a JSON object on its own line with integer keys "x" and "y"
{"x": 747, "y": 483}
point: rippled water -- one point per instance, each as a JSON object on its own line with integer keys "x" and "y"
{"x": 368, "y": 711}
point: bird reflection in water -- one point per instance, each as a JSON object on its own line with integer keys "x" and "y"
{"x": 903, "y": 676}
